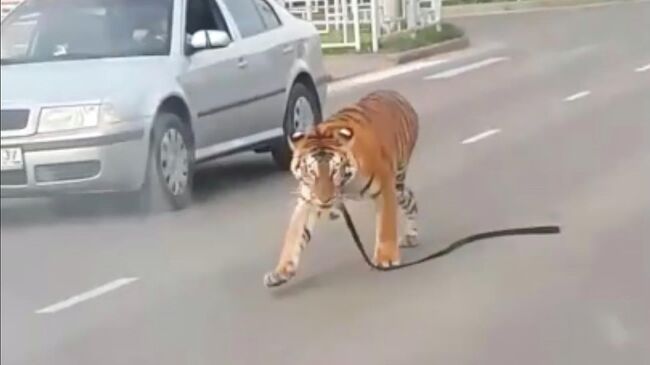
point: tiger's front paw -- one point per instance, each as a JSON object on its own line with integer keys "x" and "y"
{"x": 278, "y": 277}
{"x": 387, "y": 257}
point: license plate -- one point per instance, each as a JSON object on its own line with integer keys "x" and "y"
{"x": 12, "y": 159}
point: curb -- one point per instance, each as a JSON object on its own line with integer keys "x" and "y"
{"x": 428, "y": 51}
{"x": 457, "y": 11}
{"x": 394, "y": 59}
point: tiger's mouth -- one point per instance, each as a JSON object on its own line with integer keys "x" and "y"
{"x": 331, "y": 203}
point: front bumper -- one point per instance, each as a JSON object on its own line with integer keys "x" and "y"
{"x": 94, "y": 161}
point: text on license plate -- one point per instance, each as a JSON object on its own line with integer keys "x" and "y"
{"x": 12, "y": 159}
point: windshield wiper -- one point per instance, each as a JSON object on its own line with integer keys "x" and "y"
{"x": 64, "y": 57}
{"x": 76, "y": 56}
{"x": 11, "y": 61}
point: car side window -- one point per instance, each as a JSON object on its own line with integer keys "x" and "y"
{"x": 248, "y": 19}
{"x": 204, "y": 15}
{"x": 269, "y": 16}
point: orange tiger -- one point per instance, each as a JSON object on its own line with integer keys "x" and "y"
{"x": 360, "y": 152}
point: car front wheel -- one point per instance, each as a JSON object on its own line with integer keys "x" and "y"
{"x": 302, "y": 113}
{"x": 169, "y": 178}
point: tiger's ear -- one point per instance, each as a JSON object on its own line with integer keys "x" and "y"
{"x": 344, "y": 135}
{"x": 295, "y": 138}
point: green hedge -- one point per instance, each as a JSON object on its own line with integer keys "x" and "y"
{"x": 406, "y": 40}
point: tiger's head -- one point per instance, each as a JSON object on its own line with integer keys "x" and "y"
{"x": 322, "y": 163}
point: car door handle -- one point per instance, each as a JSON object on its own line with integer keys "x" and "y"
{"x": 242, "y": 63}
{"x": 287, "y": 49}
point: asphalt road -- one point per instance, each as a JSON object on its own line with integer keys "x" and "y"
{"x": 561, "y": 100}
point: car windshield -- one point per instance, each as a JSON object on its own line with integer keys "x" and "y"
{"x": 55, "y": 30}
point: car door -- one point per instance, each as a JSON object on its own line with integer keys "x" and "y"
{"x": 216, "y": 81}
{"x": 282, "y": 47}
{"x": 261, "y": 50}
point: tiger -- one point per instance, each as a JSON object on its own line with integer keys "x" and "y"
{"x": 361, "y": 152}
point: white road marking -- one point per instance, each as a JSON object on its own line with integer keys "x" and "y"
{"x": 643, "y": 68}
{"x": 481, "y": 136}
{"x": 86, "y": 296}
{"x": 341, "y": 85}
{"x": 580, "y": 51}
{"x": 578, "y": 95}
{"x": 615, "y": 332}
{"x": 539, "y": 9}
{"x": 466, "y": 68}
{"x": 382, "y": 75}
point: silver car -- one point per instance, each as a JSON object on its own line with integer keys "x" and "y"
{"x": 131, "y": 95}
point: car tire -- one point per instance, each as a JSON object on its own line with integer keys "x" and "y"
{"x": 300, "y": 96}
{"x": 170, "y": 167}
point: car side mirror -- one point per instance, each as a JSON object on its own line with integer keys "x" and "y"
{"x": 207, "y": 39}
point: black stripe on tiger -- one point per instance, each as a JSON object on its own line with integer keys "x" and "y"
{"x": 367, "y": 186}
{"x": 400, "y": 112}
{"x": 351, "y": 114}
{"x": 306, "y": 235}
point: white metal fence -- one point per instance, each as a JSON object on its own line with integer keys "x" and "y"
{"x": 349, "y": 23}
{"x": 338, "y": 21}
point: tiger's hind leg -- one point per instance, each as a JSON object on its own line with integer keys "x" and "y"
{"x": 409, "y": 206}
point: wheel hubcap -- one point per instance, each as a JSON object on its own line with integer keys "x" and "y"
{"x": 174, "y": 161}
{"x": 303, "y": 115}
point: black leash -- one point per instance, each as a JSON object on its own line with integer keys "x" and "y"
{"x": 452, "y": 247}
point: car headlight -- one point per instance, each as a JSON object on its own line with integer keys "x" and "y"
{"x": 62, "y": 118}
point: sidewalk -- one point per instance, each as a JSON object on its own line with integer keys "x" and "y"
{"x": 352, "y": 64}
